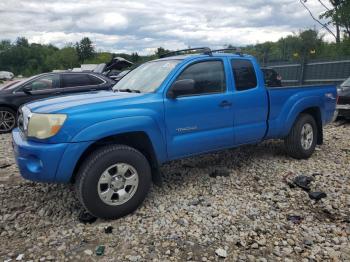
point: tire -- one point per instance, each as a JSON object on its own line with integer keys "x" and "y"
{"x": 8, "y": 120}
{"x": 91, "y": 189}
{"x": 294, "y": 141}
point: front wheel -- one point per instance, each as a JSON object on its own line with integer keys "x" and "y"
{"x": 113, "y": 181}
{"x": 302, "y": 138}
{"x": 7, "y": 120}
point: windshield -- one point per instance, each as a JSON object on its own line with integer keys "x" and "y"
{"x": 147, "y": 77}
{"x": 346, "y": 83}
{"x": 17, "y": 83}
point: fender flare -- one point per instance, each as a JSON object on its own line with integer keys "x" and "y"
{"x": 118, "y": 126}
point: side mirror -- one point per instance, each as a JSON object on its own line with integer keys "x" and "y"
{"x": 27, "y": 89}
{"x": 181, "y": 87}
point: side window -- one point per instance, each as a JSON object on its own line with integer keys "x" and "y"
{"x": 44, "y": 82}
{"x": 244, "y": 74}
{"x": 209, "y": 77}
{"x": 95, "y": 80}
{"x": 72, "y": 80}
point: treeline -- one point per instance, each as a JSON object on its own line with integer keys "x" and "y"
{"x": 302, "y": 46}
{"x": 23, "y": 58}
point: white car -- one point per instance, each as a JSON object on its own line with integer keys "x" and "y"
{"x": 5, "y": 75}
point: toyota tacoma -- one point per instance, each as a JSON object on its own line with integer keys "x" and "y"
{"x": 110, "y": 144}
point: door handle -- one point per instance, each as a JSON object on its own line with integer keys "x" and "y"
{"x": 225, "y": 103}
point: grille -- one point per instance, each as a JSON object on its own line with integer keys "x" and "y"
{"x": 343, "y": 100}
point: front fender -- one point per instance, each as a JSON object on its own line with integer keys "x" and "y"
{"x": 125, "y": 125}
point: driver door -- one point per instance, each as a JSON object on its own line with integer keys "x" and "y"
{"x": 39, "y": 88}
{"x": 202, "y": 120}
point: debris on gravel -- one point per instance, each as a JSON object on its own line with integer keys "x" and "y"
{"x": 193, "y": 215}
{"x": 220, "y": 172}
{"x": 303, "y": 182}
{"x": 86, "y": 217}
{"x": 317, "y": 195}
{"x": 295, "y": 219}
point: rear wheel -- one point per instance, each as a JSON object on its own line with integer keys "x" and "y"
{"x": 302, "y": 138}
{"x": 7, "y": 120}
{"x": 113, "y": 181}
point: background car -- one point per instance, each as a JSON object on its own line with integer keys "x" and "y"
{"x": 5, "y": 75}
{"x": 272, "y": 78}
{"x": 343, "y": 104}
{"x": 43, "y": 86}
{"x": 120, "y": 75}
{"x": 113, "y": 68}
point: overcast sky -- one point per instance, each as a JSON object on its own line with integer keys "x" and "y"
{"x": 142, "y": 26}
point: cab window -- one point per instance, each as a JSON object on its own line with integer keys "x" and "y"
{"x": 244, "y": 74}
{"x": 208, "y": 76}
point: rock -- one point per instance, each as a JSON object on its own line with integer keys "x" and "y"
{"x": 134, "y": 258}
{"x": 308, "y": 242}
{"x": 88, "y": 252}
{"x": 220, "y": 252}
{"x": 255, "y": 245}
{"x": 317, "y": 195}
{"x": 41, "y": 212}
{"x": 295, "y": 219}
{"x": 262, "y": 242}
{"x": 19, "y": 257}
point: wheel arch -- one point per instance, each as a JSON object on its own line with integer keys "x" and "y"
{"x": 9, "y": 106}
{"x": 137, "y": 139}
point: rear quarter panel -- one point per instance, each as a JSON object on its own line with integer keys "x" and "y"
{"x": 288, "y": 102}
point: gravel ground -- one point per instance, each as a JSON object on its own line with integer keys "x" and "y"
{"x": 193, "y": 216}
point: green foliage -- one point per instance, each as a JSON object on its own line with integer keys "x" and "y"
{"x": 99, "y": 58}
{"x": 28, "y": 59}
{"x": 305, "y": 45}
{"x": 339, "y": 15}
{"x": 85, "y": 49}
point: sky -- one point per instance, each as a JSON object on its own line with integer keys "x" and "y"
{"x": 143, "y": 25}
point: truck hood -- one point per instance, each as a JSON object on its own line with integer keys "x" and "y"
{"x": 84, "y": 100}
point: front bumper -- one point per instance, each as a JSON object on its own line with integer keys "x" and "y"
{"x": 46, "y": 162}
{"x": 343, "y": 110}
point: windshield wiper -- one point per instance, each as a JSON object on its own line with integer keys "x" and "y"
{"x": 129, "y": 90}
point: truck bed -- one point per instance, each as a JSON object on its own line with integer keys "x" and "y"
{"x": 287, "y": 102}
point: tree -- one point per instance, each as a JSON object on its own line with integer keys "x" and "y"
{"x": 135, "y": 57}
{"x": 161, "y": 51}
{"x": 85, "y": 49}
{"x": 338, "y": 16}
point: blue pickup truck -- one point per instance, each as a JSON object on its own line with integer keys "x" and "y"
{"x": 110, "y": 144}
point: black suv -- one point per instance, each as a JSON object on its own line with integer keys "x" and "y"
{"x": 45, "y": 85}
{"x": 272, "y": 78}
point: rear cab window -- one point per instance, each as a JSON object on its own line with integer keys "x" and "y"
{"x": 244, "y": 74}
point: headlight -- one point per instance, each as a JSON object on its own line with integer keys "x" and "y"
{"x": 45, "y": 125}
